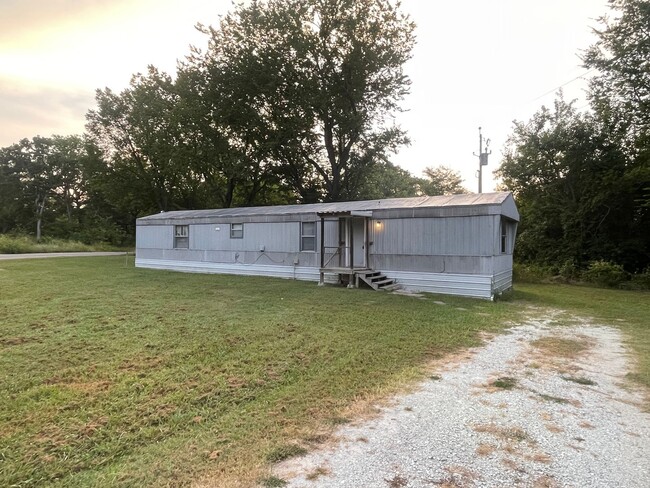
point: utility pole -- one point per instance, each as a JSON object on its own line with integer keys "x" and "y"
{"x": 482, "y": 158}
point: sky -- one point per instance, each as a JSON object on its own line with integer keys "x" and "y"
{"x": 477, "y": 63}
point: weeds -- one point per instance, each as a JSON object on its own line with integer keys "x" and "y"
{"x": 554, "y": 399}
{"x": 273, "y": 482}
{"x": 285, "y": 452}
{"x": 505, "y": 383}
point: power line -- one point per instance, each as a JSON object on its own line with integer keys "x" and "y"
{"x": 563, "y": 84}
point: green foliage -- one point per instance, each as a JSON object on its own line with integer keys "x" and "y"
{"x": 310, "y": 86}
{"x": 19, "y": 244}
{"x": 577, "y": 198}
{"x": 582, "y": 181}
{"x": 531, "y": 273}
{"x": 285, "y": 452}
{"x": 620, "y": 91}
{"x": 387, "y": 181}
{"x": 273, "y": 482}
{"x": 640, "y": 281}
{"x": 505, "y": 382}
{"x": 605, "y": 273}
{"x": 442, "y": 181}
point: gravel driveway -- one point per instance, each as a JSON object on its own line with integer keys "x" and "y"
{"x": 541, "y": 406}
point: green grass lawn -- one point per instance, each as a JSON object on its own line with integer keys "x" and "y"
{"x": 111, "y": 375}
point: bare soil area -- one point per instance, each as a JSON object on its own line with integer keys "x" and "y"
{"x": 541, "y": 406}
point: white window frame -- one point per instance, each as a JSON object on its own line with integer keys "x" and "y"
{"x": 234, "y": 230}
{"x": 504, "y": 237}
{"x": 181, "y": 237}
{"x": 304, "y": 236}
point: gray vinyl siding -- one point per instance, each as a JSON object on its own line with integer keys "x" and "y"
{"x": 155, "y": 237}
{"x": 453, "y": 236}
{"x": 281, "y": 242}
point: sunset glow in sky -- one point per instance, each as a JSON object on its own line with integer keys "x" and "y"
{"x": 477, "y": 63}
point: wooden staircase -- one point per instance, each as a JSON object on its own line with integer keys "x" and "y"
{"x": 376, "y": 280}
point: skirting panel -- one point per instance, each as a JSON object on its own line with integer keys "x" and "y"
{"x": 477, "y": 286}
{"x": 503, "y": 281}
{"x": 288, "y": 272}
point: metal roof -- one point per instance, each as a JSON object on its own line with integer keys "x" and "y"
{"x": 463, "y": 200}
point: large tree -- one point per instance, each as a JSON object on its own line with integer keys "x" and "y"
{"x": 138, "y": 134}
{"x": 442, "y": 180}
{"x": 312, "y": 85}
{"x": 582, "y": 181}
{"x": 576, "y": 195}
{"x": 620, "y": 91}
{"x": 42, "y": 178}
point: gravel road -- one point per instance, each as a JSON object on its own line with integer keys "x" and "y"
{"x": 540, "y": 406}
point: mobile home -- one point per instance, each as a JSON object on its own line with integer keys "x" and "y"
{"x": 458, "y": 244}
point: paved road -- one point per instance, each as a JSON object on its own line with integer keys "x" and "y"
{"x": 40, "y": 255}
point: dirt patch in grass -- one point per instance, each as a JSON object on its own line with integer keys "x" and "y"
{"x": 318, "y": 472}
{"x": 485, "y": 449}
{"x": 561, "y": 347}
{"x": 545, "y": 482}
{"x": 556, "y": 429}
{"x": 15, "y": 341}
{"x": 458, "y": 477}
{"x": 505, "y": 433}
{"x": 397, "y": 481}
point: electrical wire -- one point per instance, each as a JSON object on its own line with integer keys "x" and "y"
{"x": 563, "y": 84}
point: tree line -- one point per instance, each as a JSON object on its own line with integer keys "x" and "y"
{"x": 582, "y": 179}
{"x": 291, "y": 102}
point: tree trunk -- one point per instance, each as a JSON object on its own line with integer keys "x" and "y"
{"x": 40, "y": 206}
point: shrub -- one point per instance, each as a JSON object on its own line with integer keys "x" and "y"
{"x": 531, "y": 273}
{"x": 569, "y": 271}
{"x": 605, "y": 273}
{"x": 639, "y": 281}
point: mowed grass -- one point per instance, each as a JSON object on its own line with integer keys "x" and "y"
{"x": 116, "y": 376}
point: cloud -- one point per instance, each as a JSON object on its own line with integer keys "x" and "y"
{"x": 28, "y": 111}
{"x": 26, "y": 20}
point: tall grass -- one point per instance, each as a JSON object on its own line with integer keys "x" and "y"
{"x": 12, "y": 244}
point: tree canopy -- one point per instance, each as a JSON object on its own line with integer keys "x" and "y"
{"x": 582, "y": 180}
{"x": 309, "y": 87}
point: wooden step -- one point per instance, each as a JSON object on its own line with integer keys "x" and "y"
{"x": 384, "y": 282}
{"x": 375, "y": 279}
{"x": 393, "y": 287}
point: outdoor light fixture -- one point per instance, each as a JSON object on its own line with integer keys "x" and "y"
{"x": 378, "y": 224}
